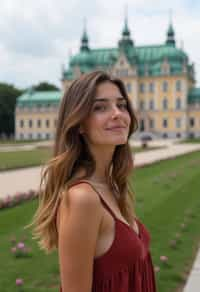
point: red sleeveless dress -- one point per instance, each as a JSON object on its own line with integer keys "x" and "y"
{"x": 127, "y": 265}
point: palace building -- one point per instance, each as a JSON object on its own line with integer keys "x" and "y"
{"x": 160, "y": 81}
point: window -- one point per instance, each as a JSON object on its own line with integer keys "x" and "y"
{"x": 141, "y": 125}
{"x": 142, "y": 87}
{"x": 38, "y": 123}
{"x": 47, "y": 136}
{"x": 30, "y": 136}
{"x": 47, "y": 123}
{"x": 178, "y": 85}
{"x": 21, "y": 136}
{"x": 165, "y": 103}
{"x": 165, "y": 86}
{"x": 178, "y": 103}
{"x": 21, "y": 123}
{"x": 151, "y": 123}
{"x": 151, "y": 104}
{"x": 39, "y": 136}
{"x": 30, "y": 123}
{"x": 165, "y": 123}
{"x": 55, "y": 122}
{"x": 128, "y": 87}
{"x": 178, "y": 122}
{"x": 192, "y": 122}
{"x": 151, "y": 87}
{"x": 142, "y": 104}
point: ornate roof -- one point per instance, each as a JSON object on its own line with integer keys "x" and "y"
{"x": 194, "y": 95}
{"x": 31, "y": 97}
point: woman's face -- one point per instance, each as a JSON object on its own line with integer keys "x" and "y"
{"x": 109, "y": 120}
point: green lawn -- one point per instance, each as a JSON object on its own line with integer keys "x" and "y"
{"x": 167, "y": 195}
{"x": 194, "y": 140}
{"x": 16, "y": 142}
{"x": 19, "y": 159}
{"x": 22, "y": 158}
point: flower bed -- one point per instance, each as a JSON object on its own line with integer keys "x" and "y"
{"x": 17, "y": 198}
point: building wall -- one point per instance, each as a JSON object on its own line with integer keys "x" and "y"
{"x": 161, "y": 119}
{"x": 32, "y": 128}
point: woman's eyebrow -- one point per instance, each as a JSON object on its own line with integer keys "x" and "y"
{"x": 108, "y": 99}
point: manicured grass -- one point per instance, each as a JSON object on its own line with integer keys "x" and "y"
{"x": 16, "y": 142}
{"x": 167, "y": 195}
{"x": 19, "y": 159}
{"x": 195, "y": 140}
{"x": 148, "y": 148}
{"x": 22, "y": 158}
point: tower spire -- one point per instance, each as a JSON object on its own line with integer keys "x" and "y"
{"x": 126, "y": 32}
{"x": 84, "y": 38}
{"x": 125, "y": 43}
{"x": 170, "y": 32}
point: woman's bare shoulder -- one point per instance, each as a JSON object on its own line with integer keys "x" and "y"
{"x": 80, "y": 197}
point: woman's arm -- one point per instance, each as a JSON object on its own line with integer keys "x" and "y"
{"x": 79, "y": 224}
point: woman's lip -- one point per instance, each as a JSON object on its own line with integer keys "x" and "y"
{"x": 120, "y": 127}
{"x": 116, "y": 128}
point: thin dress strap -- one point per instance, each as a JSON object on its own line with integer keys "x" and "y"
{"x": 98, "y": 193}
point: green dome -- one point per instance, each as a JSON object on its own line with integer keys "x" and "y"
{"x": 172, "y": 53}
{"x": 82, "y": 59}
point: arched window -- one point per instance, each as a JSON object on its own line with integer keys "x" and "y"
{"x": 47, "y": 123}
{"x": 38, "y": 123}
{"x": 151, "y": 104}
{"x": 142, "y": 104}
{"x": 165, "y": 123}
{"x": 178, "y": 85}
{"x": 142, "y": 87}
{"x": 151, "y": 87}
{"x": 21, "y": 123}
{"x": 165, "y": 103}
{"x": 178, "y": 122}
{"x": 165, "y": 86}
{"x": 178, "y": 103}
{"x": 151, "y": 123}
{"x": 30, "y": 123}
{"x": 128, "y": 87}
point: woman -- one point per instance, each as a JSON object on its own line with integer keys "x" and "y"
{"x": 85, "y": 204}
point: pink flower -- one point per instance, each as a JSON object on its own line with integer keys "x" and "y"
{"x": 164, "y": 259}
{"x": 19, "y": 282}
{"x": 20, "y": 245}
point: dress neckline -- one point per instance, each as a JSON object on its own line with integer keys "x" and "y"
{"x": 138, "y": 235}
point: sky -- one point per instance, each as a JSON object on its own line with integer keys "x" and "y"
{"x": 37, "y": 37}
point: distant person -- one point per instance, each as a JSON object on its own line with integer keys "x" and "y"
{"x": 86, "y": 209}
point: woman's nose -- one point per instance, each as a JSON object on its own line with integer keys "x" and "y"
{"x": 116, "y": 111}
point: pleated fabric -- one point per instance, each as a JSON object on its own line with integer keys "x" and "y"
{"x": 127, "y": 265}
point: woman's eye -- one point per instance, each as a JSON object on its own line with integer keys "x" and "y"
{"x": 122, "y": 106}
{"x": 99, "y": 108}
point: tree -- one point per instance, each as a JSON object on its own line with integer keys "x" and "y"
{"x": 8, "y": 97}
{"x": 45, "y": 86}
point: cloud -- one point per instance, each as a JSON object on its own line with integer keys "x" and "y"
{"x": 37, "y": 36}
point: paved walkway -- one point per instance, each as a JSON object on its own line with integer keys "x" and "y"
{"x": 193, "y": 283}
{"x": 13, "y": 181}
{"x": 26, "y": 179}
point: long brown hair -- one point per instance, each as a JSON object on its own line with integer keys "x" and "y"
{"x": 71, "y": 152}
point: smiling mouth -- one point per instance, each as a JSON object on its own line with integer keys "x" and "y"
{"x": 116, "y": 129}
